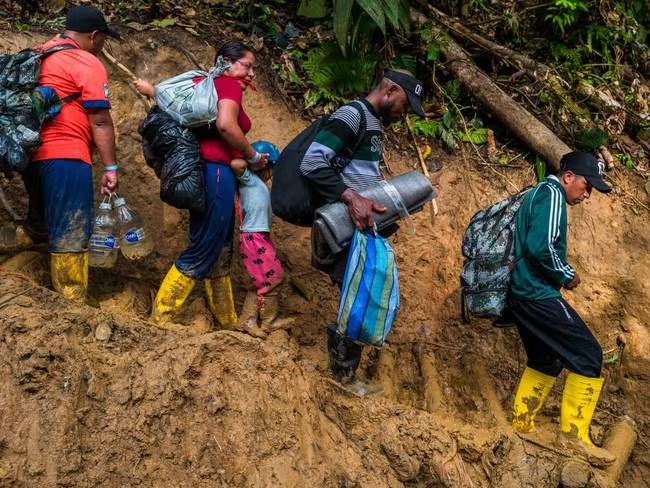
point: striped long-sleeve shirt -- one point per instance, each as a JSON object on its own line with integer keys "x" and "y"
{"x": 540, "y": 243}
{"x": 322, "y": 166}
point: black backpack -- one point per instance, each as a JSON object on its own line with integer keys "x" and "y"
{"x": 293, "y": 198}
{"x": 24, "y": 105}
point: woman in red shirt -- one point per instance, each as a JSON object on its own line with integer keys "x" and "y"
{"x": 209, "y": 230}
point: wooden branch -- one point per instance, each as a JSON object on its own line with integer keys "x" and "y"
{"x": 425, "y": 170}
{"x": 126, "y": 70}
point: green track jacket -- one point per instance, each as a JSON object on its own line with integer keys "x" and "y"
{"x": 540, "y": 243}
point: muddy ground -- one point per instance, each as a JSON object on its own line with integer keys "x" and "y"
{"x": 152, "y": 407}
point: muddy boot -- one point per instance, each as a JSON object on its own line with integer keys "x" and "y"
{"x": 14, "y": 238}
{"x": 221, "y": 302}
{"x": 345, "y": 356}
{"x": 270, "y": 305}
{"x": 579, "y": 401}
{"x": 533, "y": 389}
{"x": 172, "y": 293}
{"x": 69, "y": 271}
{"x": 248, "y": 317}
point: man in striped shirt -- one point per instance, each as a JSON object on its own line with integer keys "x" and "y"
{"x": 344, "y": 159}
{"x": 553, "y": 334}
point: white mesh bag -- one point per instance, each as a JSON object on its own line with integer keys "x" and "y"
{"x": 191, "y": 104}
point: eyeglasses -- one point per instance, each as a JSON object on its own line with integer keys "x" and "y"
{"x": 246, "y": 64}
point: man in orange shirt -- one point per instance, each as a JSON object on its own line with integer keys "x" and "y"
{"x": 59, "y": 177}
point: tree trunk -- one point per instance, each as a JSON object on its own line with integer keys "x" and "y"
{"x": 538, "y": 71}
{"x": 530, "y": 130}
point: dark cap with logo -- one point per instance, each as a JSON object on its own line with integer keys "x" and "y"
{"x": 411, "y": 86}
{"x": 585, "y": 164}
{"x": 85, "y": 18}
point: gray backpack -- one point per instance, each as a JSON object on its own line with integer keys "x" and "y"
{"x": 489, "y": 250}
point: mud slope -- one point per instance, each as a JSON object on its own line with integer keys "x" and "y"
{"x": 186, "y": 407}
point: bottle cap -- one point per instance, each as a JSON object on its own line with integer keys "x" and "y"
{"x": 105, "y": 206}
{"x": 119, "y": 201}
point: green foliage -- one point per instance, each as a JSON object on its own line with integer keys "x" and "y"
{"x": 381, "y": 14}
{"x": 331, "y": 77}
{"x": 313, "y": 9}
{"x": 446, "y": 130}
{"x": 626, "y": 159}
{"x": 591, "y": 139}
{"x": 565, "y": 13}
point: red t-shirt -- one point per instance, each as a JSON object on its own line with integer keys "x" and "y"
{"x": 71, "y": 71}
{"x": 217, "y": 149}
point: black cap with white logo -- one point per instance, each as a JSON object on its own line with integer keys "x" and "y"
{"x": 585, "y": 164}
{"x": 411, "y": 86}
{"x": 85, "y": 18}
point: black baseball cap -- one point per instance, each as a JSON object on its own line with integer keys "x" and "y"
{"x": 85, "y": 18}
{"x": 585, "y": 164}
{"x": 411, "y": 86}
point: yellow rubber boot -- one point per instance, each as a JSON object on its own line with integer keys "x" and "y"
{"x": 14, "y": 238}
{"x": 578, "y": 405}
{"x": 533, "y": 389}
{"x": 69, "y": 271}
{"x": 172, "y": 293}
{"x": 248, "y": 317}
{"x": 221, "y": 301}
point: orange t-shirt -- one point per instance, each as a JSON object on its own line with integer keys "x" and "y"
{"x": 70, "y": 71}
{"x": 216, "y": 149}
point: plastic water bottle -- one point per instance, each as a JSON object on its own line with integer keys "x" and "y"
{"x": 135, "y": 241}
{"x": 103, "y": 246}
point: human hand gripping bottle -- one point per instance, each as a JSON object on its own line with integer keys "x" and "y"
{"x": 135, "y": 241}
{"x": 104, "y": 243}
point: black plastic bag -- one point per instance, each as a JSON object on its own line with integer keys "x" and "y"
{"x": 173, "y": 153}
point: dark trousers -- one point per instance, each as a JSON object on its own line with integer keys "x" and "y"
{"x": 60, "y": 203}
{"x": 555, "y": 337}
{"x": 212, "y": 228}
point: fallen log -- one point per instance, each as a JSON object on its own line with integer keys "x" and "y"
{"x": 533, "y": 68}
{"x": 536, "y": 70}
{"x": 530, "y": 130}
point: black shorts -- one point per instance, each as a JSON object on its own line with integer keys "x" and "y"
{"x": 555, "y": 337}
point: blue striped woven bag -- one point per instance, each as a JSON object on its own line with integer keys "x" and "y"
{"x": 370, "y": 292}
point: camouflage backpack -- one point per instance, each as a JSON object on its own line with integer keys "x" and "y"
{"x": 489, "y": 250}
{"x": 24, "y": 105}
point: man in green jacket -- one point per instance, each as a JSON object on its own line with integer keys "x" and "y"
{"x": 553, "y": 334}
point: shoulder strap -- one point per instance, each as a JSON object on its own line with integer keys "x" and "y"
{"x": 362, "y": 125}
{"x": 61, "y": 47}
{"x": 56, "y": 49}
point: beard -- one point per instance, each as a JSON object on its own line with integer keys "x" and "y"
{"x": 385, "y": 113}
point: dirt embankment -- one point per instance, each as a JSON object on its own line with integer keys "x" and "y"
{"x": 151, "y": 407}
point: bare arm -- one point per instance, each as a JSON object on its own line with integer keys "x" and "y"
{"x": 103, "y": 133}
{"x": 229, "y": 129}
{"x": 144, "y": 87}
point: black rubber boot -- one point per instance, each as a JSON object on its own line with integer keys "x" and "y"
{"x": 345, "y": 355}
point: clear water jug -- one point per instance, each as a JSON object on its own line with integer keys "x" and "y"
{"x": 104, "y": 244}
{"x": 135, "y": 241}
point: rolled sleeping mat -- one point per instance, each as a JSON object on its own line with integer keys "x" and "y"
{"x": 402, "y": 195}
